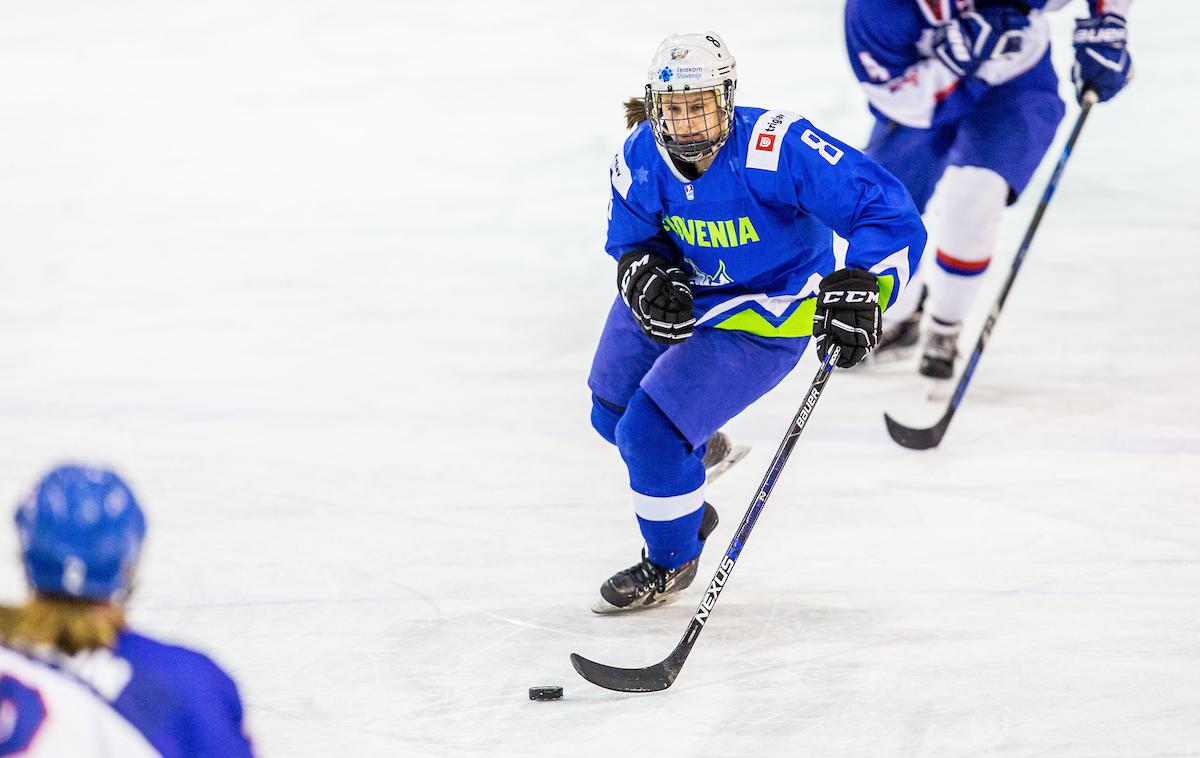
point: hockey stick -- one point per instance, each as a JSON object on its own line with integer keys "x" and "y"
{"x": 662, "y": 674}
{"x": 923, "y": 439}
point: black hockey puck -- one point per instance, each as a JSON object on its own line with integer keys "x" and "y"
{"x": 545, "y": 693}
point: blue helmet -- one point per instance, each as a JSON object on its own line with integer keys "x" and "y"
{"x": 81, "y": 532}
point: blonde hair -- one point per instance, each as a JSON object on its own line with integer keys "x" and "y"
{"x": 69, "y": 625}
{"x": 635, "y": 111}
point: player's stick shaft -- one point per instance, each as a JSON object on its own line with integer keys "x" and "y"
{"x": 661, "y": 675}
{"x": 923, "y": 439}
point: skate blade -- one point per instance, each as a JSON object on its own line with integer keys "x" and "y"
{"x": 604, "y": 608}
{"x": 736, "y": 453}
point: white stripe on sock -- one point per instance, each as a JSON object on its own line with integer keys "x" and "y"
{"x": 668, "y": 508}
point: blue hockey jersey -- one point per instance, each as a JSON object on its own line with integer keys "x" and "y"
{"x": 754, "y": 231}
{"x": 144, "y": 698}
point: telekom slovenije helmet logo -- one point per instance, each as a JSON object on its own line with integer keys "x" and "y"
{"x": 765, "y": 142}
{"x": 665, "y": 74}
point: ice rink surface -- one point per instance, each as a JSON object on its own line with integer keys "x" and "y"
{"x": 323, "y": 280}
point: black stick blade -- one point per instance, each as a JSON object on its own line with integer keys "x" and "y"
{"x": 918, "y": 439}
{"x": 650, "y": 679}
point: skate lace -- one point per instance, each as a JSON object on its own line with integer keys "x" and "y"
{"x": 646, "y": 573}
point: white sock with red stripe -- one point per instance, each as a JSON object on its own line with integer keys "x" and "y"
{"x": 970, "y": 202}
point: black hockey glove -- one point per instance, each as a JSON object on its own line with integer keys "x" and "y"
{"x": 847, "y": 315}
{"x": 657, "y": 293}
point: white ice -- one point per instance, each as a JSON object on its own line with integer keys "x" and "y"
{"x": 323, "y": 279}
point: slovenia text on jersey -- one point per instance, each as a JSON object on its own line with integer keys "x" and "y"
{"x": 754, "y": 231}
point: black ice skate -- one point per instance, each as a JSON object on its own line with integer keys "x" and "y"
{"x": 646, "y": 584}
{"x": 720, "y": 454}
{"x": 898, "y": 340}
{"x": 940, "y": 351}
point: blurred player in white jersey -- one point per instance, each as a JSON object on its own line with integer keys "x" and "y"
{"x": 74, "y": 681}
{"x": 966, "y": 101}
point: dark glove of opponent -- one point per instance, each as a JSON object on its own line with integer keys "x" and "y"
{"x": 965, "y": 43}
{"x": 847, "y": 315}
{"x": 1101, "y": 61}
{"x": 658, "y": 295}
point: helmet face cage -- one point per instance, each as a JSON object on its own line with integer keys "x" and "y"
{"x": 671, "y": 113}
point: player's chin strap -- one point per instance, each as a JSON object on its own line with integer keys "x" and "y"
{"x": 923, "y": 439}
{"x": 662, "y": 674}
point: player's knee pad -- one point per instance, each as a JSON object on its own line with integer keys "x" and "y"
{"x": 659, "y": 458}
{"x": 971, "y": 203}
{"x": 605, "y": 416}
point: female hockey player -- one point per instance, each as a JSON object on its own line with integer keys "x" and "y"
{"x": 720, "y": 225}
{"x": 966, "y": 101}
{"x": 74, "y": 681}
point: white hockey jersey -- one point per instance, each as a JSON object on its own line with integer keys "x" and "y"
{"x": 45, "y": 713}
{"x": 143, "y": 699}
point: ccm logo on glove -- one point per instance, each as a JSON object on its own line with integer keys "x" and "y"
{"x": 849, "y": 297}
{"x": 847, "y": 316}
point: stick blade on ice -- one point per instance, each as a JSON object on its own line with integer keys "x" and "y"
{"x": 918, "y": 439}
{"x": 650, "y": 679}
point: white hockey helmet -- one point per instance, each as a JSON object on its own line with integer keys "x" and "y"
{"x": 691, "y": 127}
